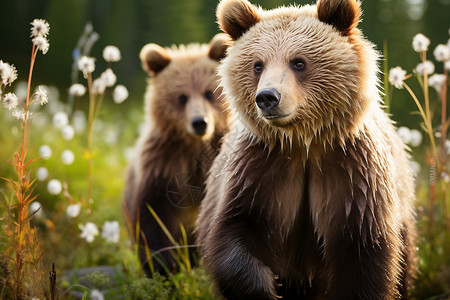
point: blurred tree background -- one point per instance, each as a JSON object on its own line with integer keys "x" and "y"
{"x": 129, "y": 24}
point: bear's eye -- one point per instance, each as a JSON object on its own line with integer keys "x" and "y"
{"x": 259, "y": 67}
{"x": 209, "y": 95}
{"x": 182, "y": 99}
{"x": 298, "y": 64}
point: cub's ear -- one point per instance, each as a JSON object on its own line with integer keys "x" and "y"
{"x": 154, "y": 58}
{"x": 235, "y": 17}
{"x": 344, "y": 15}
{"x": 218, "y": 46}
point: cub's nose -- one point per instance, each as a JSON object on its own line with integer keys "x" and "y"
{"x": 199, "y": 124}
{"x": 268, "y": 99}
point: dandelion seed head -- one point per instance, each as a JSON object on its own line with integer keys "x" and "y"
{"x": 36, "y": 208}
{"x": 96, "y": 295}
{"x": 437, "y": 82}
{"x": 60, "y": 119}
{"x": 41, "y": 95}
{"x": 45, "y": 151}
{"x": 8, "y": 73}
{"x": 42, "y": 173}
{"x": 447, "y": 65}
{"x": 441, "y": 53}
{"x": 111, "y": 54}
{"x": 41, "y": 44}
{"x": 88, "y": 231}
{"x": 427, "y": 67}
{"x": 98, "y": 86}
{"x": 420, "y": 43}
{"x": 73, "y": 210}
{"x": 10, "y": 101}
{"x": 405, "y": 134}
{"x": 67, "y": 157}
{"x": 77, "y": 89}
{"x": 109, "y": 78}
{"x": 415, "y": 166}
{"x": 396, "y": 76}
{"x": 415, "y": 138}
{"x": 111, "y": 231}
{"x": 39, "y": 27}
{"x": 86, "y": 65}
{"x": 120, "y": 94}
{"x": 67, "y": 132}
{"x": 54, "y": 187}
{"x": 22, "y": 115}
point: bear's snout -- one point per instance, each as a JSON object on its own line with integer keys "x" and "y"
{"x": 268, "y": 99}
{"x": 199, "y": 124}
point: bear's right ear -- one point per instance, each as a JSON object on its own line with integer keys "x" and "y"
{"x": 235, "y": 17}
{"x": 344, "y": 15}
{"x": 154, "y": 58}
{"x": 218, "y": 46}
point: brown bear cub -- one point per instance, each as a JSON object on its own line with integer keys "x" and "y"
{"x": 185, "y": 121}
{"x": 310, "y": 197}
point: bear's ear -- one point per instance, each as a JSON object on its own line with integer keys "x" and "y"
{"x": 235, "y": 17}
{"x": 344, "y": 15}
{"x": 218, "y": 46}
{"x": 154, "y": 58}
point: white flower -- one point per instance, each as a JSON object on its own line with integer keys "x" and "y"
{"x": 437, "y": 82}
{"x": 427, "y": 67}
{"x": 42, "y": 173}
{"x": 67, "y": 157}
{"x": 405, "y": 134}
{"x": 79, "y": 121}
{"x": 109, "y": 78}
{"x": 447, "y": 65}
{"x": 96, "y": 295}
{"x": 73, "y": 210}
{"x": 41, "y": 43}
{"x": 8, "y": 73}
{"x": 67, "y": 132}
{"x": 77, "y": 90}
{"x": 111, "y": 54}
{"x": 60, "y": 120}
{"x": 21, "y": 115}
{"x": 45, "y": 151}
{"x": 120, "y": 94}
{"x": 111, "y": 231}
{"x": 98, "y": 86}
{"x": 88, "y": 231}
{"x": 415, "y": 138}
{"x": 420, "y": 43}
{"x": 39, "y": 27}
{"x": 10, "y": 101}
{"x": 36, "y": 208}
{"x": 54, "y": 187}
{"x": 86, "y": 65}
{"x": 396, "y": 76}
{"x": 415, "y": 166}
{"x": 442, "y": 53}
{"x": 41, "y": 96}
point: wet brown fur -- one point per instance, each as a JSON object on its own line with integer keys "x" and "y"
{"x": 321, "y": 200}
{"x": 169, "y": 166}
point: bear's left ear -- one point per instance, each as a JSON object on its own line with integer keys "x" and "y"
{"x": 218, "y": 46}
{"x": 344, "y": 15}
{"x": 235, "y": 17}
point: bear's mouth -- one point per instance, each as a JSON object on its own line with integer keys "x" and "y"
{"x": 274, "y": 116}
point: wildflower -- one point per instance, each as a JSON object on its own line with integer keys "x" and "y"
{"x": 88, "y": 231}
{"x": 10, "y": 101}
{"x": 45, "y": 151}
{"x": 42, "y": 173}
{"x": 120, "y": 94}
{"x": 60, "y": 120}
{"x": 41, "y": 95}
{"x": 427, "y": 67}
{"x": 111, "y": 54}
{"x": 447, "y": 65}
{"x": 405, "y": 134}
{"x": 396, "y": 76}
{"x": 98, "y": 86}
{"x": 67, "y": 157}
{"x": 41, "y": 43}
{"x": 77, "y": 90}
{"x": 68, "y": 132}
{"x": 39, "y": 27}
{"x": 437, "y": 82}
{"x": 415, "y": 138}
{"x": 109, "y": 78}
{"x": 8, "y": 73}
{"x": 96, "y": 295}
{"x": 111, "y": 231}
{"x": 420, "y": 43}
{"x": 73, "y": 210}
{"x": 21, "y": 115}
{"x": 86, "y": 65}
{"x": 36, "y": 209}
{"x": 442, "y": 53}
{"x": 54, "y": 187}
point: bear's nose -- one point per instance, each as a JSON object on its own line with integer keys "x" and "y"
{"x": 199, "y": 124}
{"x": 268, "y": 99}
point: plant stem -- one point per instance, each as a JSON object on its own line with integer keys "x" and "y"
{"x": 89, "y": 151}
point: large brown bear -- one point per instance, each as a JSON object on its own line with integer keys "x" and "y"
{"x": 185, "y": 120}
{"x": 310, "y": 196}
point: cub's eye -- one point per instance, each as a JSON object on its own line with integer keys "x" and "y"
{"x": 298, "y": 64}
{"x": 209, "y": 95}
{"x": 259, "y": 67}
{"x": 182, "y": 99}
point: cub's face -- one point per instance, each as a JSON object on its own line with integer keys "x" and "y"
{"x": 184, "y": 87}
